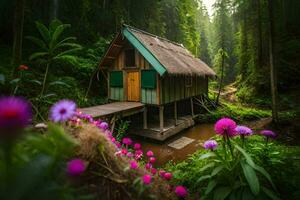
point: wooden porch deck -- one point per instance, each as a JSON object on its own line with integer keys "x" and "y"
{"x": 116, "y": 108}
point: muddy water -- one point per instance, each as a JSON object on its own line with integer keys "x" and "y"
{"x": 164, "y": 153}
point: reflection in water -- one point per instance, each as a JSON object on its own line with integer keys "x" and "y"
{"x": 164, "y": 153}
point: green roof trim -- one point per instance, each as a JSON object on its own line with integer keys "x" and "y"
{"x": 144, "y": 51}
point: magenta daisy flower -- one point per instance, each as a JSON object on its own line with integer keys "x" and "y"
{"x": 134, "y": 164}
{"x": 181, "y": 191}
{"x": 62, "y": 111}
{"x": 168, "y": 176}
{"x": 15, "y": 112}
{"x": 225, "y": 126}
{"x": 137, "y": 146}
{"x": 243, "y": 130}
{"x": 127, "y": 141}
{"x": 210, "y": 144}
{"x": 268, "y": 133}
{"x": 150, "y": 153}
{"x": 146, "y": 179}
{"x": 75, "y": 167}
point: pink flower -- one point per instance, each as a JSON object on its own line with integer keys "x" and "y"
{"x": 138, "y": 154}
{"x": 118, "y": 153}
{"x": 181, "y": 191}
{"x": 146, "y": 179}
{"x": 113, "y": 140}
{"x": 150, "y": 153}
{"x": 162, "y": 173}
{"x": 133, "y": 164}
{"x": 75, "y": 167}
{"x": 151, "y": 159}
{"x": 118, "y": 144}
{"x": 153, "y": 171}
{"x": 129, "y": 155}
{"x": 225, "y": 126}
{"x": 137, "y": 146}
{"x": 124, "y": 151}
{"x": 15, "y": 112}
{"x": 127, "y": 141}
{"x": 148, "y": 165}
{"x": 168, "y": 176}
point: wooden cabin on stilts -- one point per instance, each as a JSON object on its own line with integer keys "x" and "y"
{"x": 160, "y": 76}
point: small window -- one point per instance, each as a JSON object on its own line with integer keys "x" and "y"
{"x": 129, "y": 58}
{"x": 188, "y": 81}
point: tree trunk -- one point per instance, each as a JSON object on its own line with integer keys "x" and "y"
{"x": 273, "y": 71}
{"x": 221, "y": 79}
{"x": 18, "y": 32}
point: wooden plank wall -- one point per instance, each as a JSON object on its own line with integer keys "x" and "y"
{"x": 148, "y": 96}
{"x": 116, "y": 93}
{"x": 174, "y": 88}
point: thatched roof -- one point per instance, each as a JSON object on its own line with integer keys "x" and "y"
{"x": 165, "y": 56}
{"x": 174, "y": 57}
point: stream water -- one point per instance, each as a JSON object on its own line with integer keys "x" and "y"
{"x": 163, "y": 153}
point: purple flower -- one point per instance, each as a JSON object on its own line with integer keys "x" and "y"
{"x": 181, "y": 191}
{"x": 243, "y": 130}
{"x": 62, "y": 111}
{"x": 268, "y": 133}
{"x": 103, "y": 125}
{"x": 75, "y": 167}
{"x": 15, "y": 112}
{"x": 127, "y": 141}
{"x": 210, "y": 144}
{"x": 225, "y": 126}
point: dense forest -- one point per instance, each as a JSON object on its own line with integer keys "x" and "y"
{"x": 243, "y": 143}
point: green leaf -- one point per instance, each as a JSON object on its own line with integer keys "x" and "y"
{"x": 67, "y": 52}
{"x": 38, "y": 42}
{"x": 247, "y": 194}
{"x": 251, "y": 177}
{"x": 207, "y": 166}
{"x": 211, "y": 185}
{"x": 265, "y": 173}
{"x": 68, "y": 39}
{"x": 60, "y": 83}
{"x": 58, "y": 31}
{"x": 221, "y": 193}
{"x": 53, "y": 25}
{"x": 37, "y": 55}
{"x": 36, "y": 81}
{"x": 43, "y": 31}
{"x": 16, "y": 80}
{"x": 270, "y": 193}
{"x": 207, "y": 155}
{"x": 217, "y": 170}
{"x": 246, "y": 155}
{"x": 203, "y": 178}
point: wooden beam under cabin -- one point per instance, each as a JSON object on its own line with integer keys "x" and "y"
{"x": 145, "y": 118}
{"x": 161, "y": 118}
{"x": 175, "y": 113}
{"x": 192, "y": 107}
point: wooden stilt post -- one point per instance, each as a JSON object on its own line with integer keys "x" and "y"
{"x": 175, "y": 112}
{"x": 145, "y": 118}
{"x": 161, "y": 118}
{"x": 192, "y": 107}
